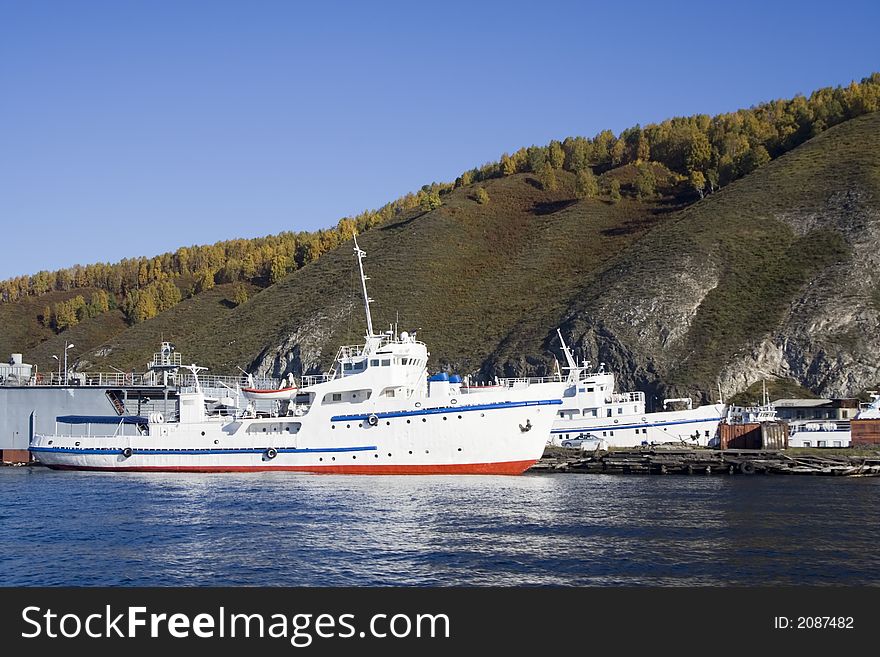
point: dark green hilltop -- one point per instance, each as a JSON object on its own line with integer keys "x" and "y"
{"x": 687, "y": 254}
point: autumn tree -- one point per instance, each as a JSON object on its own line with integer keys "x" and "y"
{"x": 555, "y": 155}
{"x": 481, "y": 196}
{"x": 239, "y": 294}
{"x": 697, "y": 182}
{"x": 645, "y": 183}
{"x": 614, "y": 190}
{"x": 547, "y": 177}
{"x": 586, "y": 185}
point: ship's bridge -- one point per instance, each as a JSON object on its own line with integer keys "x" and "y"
{"x": 387, "y": 365}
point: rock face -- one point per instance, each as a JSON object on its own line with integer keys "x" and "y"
{"x": 826, "y": 332}
{"x": 302, "y": 352}
{"x": 829, "y": 339}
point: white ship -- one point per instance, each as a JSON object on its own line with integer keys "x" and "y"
{"x": 593, "y": 415}
{"x": 375, "y": 412}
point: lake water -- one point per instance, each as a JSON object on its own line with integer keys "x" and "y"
{"x": 76, "y": 528}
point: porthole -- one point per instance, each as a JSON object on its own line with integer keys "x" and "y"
{"x": 407, "y": 421}
{"x": 426, "y": 451}
{"x": 482, "y": 415}
{"x": 444, "y": 417}
{"x": 332, "y": 426}
{"x": 333, "y": 458}
{"x": 459, "y": 449}
{"x": 348, "y": 426}
{"x": 203, "y": 433}
{"x": 410, "y": 451}
{"x": 389, "y": 453}
{"x": 388, "y": 424}
{"x": 453, "y": 401}
{"x": 216, "y": 442}
{"x": 321, "y": 459}
{"x": 264, "y": 430}
{"x": 77, "y": 444}
{"x": 376, "y": 455}
{"x": 424, "y": 419}
{"x": 353, "y": 457}
{"x": 459, "y": 417}
{"x": 418, "y": 404}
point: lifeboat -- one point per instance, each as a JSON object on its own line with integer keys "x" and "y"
{"x": 271, "y": 394}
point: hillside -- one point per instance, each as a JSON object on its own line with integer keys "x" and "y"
{"x": 775, "y": 275}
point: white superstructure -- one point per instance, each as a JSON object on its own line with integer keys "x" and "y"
{"x": 376, "y": 411}
{"x": 593, "y": 415}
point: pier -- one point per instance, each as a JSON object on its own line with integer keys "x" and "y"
{"x": 683, "y": 461}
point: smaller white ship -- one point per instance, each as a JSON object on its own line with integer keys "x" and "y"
{"x": 594, "y": 416}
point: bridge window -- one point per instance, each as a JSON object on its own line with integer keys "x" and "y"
{"x": 386, "y": 362}
{"x": 590, "y": 389}
{"x": 346, "y": 367}
{"x": 374, "y": 362}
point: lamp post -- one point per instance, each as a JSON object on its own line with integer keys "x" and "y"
{"x": 66, "y": 347}
{"x": 59, "y": 367}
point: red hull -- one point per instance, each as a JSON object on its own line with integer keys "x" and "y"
{"x": 506, "y": 468}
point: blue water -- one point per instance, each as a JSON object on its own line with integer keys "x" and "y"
{"x": 73, "y": 528}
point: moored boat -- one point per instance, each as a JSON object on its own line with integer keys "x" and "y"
{"x": 375, "y": 412}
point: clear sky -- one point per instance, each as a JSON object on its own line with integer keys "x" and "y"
{"x": 133, "y": 127}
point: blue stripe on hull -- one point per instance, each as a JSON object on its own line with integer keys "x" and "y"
{"x": 638, "y": 426}
{"x": 446, "y": 409}
{"x": 159, "y": 452}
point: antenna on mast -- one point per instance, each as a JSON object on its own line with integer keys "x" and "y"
{"x": 367, "y": 300}
{"x": 572, "y": 365}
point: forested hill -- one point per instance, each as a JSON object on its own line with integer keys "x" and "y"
{"x": 489, "y": 264}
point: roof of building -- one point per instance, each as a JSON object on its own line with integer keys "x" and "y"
{"x": 816, "y": 403}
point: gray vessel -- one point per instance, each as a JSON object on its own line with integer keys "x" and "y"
{"x": 30, "y": 401}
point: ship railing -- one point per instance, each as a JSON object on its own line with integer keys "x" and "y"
{"x": 529, "y": 380}
{"x": 818, "y": 426}
{"x": 166, "y": 360}
{"x": 145, "y": 380}
{"x": 314, "y": 379}
{"x": 350, "y": 351}
{"x": 217, "y": 381}
{"x": 626, "y": 397}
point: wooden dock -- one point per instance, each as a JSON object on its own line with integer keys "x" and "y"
{"x": 706, "y": 462}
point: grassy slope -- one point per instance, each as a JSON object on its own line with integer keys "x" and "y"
{"x": 763, "y": 264}
{"x": 468, "y": 275}
{"x": 491, "y": 281}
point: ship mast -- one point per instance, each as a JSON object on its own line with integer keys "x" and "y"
{"x": 367, "y": 300}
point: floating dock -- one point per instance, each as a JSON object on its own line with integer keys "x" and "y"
{"x": 658, "y": 461}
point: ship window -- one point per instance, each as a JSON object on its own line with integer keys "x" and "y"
{"x": 635, "y": 409}
{"x": 807, "y": 443}
{"x": 838, "y": 443}
{"x": 590, "y": 389}
{"x": 604, "y": 433}
{"x": 374, "y": 362}
{"x": 346, "y": 367}
{"x": 707, "y": 433}
{"x": 386, "y": 362}
{"x": 608, "y": 413}
{"x": 337, "y": 396}
{"x": 821, "y": 443}
{"x": 844, "y": 414}
{"x": 620, "y": 410}
{"x": 611, "y": 433}
{"x": 644, "y": 431}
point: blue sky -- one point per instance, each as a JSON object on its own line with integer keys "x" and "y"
{"x": 133, "y": 127}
